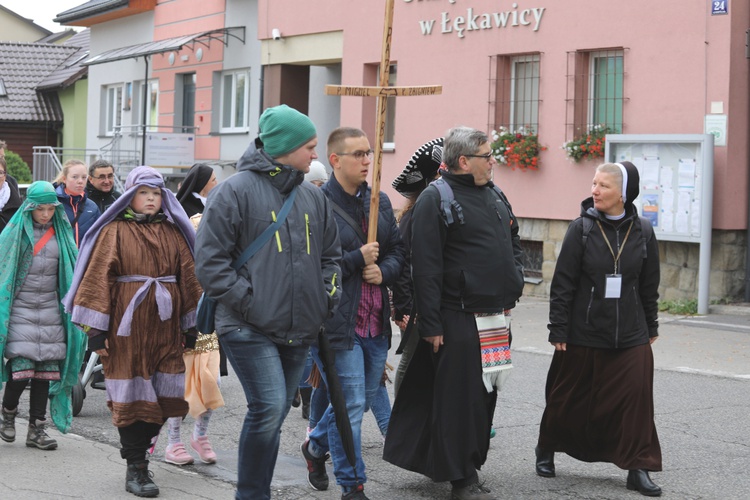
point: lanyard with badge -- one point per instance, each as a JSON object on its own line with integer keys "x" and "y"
{"x": 614, "y": 281}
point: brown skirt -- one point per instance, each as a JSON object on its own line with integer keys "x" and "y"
{"x": 600, "y": 407}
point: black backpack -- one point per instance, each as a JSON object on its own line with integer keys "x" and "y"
{"x": 448, "y": 202}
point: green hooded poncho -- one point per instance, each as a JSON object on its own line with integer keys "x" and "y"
{"x": 17, "y": 242}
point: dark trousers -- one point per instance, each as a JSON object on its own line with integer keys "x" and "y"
{"x": 135, "y": 439}
{"x": 37, "y": 398}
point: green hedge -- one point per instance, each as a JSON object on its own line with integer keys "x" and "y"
{"x": 18, "y": 168}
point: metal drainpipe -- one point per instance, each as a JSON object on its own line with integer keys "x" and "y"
{"x": 145, "y": 111}
{"x": 747, "y": 236}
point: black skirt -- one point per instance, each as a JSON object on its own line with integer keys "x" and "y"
{"x": 600, "y": 407}
{"x": 440, "y": 422}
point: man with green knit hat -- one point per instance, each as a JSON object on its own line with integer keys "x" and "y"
{"x": 269, "y": 311}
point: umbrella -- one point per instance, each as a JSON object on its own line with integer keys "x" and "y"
{"x": 335, "y": 394}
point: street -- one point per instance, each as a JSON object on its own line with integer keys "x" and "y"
{"x": 702, "y": 399}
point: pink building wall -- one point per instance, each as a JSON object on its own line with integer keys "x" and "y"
{"x": 678, "y": 60}
{"x": 186, "y": 17}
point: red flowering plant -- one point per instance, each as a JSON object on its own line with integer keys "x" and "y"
{"x": 517, "y": 149}
{"x": 590, "y": 145}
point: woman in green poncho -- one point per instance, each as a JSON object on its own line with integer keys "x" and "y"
{"x": 36, "y": 336}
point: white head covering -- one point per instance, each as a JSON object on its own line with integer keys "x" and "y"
{"x": 317, "y": 172}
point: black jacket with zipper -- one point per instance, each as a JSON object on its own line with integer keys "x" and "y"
{"x": 475, "y": 267}
{"x": 579, "y": 312}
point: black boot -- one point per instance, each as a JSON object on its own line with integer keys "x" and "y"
{"x": 305, "y": 394}
{"x": 638, "y": 479}
{"x": 138, "y": 480}
{"x": 545, "y": 462}
{"x": 296, "y": 401}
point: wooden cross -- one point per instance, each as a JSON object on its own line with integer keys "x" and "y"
{"x": 382, "y": 92}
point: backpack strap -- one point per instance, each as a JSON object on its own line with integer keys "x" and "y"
{"x": 448, "y": 202}
{"x": 587, "y": 225}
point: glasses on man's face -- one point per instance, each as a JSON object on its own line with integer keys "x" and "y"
{"x": 359, "y": 155}
{"x": 486, "y": 157}
{"x": 105, "y": 177}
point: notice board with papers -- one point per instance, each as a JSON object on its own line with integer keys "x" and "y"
{"x": 676, "y": 189}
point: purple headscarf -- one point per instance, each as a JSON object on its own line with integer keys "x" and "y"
{"x": 139, "y": 176}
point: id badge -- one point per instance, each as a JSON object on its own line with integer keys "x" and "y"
{"x": 614, "y": 286}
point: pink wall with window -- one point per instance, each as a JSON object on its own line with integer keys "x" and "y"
{"x": 678, "y": 60}
{"x": 187, "y": 17}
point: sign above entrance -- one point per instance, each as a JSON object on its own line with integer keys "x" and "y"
{"x": 460, "y": 25}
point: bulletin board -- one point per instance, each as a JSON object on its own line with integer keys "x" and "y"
{"x": 676, "y": 181}
{"x": 676, "y": 189}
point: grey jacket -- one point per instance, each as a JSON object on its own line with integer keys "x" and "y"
{"x": 35, "y": 329}
{"x": 289, "y": 288}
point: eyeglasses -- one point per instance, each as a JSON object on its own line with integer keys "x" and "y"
{"x": 359, "y": 155}
{"x": 2, "y": 174}
{"x": 105, "y": 177}
{"x": 486, "y": 157}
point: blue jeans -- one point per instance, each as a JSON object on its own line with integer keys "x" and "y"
{"x": 318, "y": 404}
{"x": 359, "y": 371}
{"x": 381, "y": 409}
{"x": 269, "y": 374}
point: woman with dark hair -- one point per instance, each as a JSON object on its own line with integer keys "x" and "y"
{"x": 200, "y": 180}
{"x": 602, "y": 322}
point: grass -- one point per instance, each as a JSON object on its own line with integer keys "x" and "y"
{"x": 679, "y": 307}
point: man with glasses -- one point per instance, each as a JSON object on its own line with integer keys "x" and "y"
{"x": 101, "y": 184}
{"x": 10, "y": 197}
{"x": 465, "y": 274}
{"x": 360, "y": 329}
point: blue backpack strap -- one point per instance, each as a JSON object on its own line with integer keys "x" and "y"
{"x": 448, "y": 201}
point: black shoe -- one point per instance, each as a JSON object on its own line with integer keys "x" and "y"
{"x": 357, "y": 493}
{"x": 545, "y": 462}
{"x": 296, "y": 401}
{"x": 475, "y": 491}
{"x": 138, "y": 480}
{"x": 97, "y": 380}
{"x": 316, "y": 468}
{"x": 638, "y": 479}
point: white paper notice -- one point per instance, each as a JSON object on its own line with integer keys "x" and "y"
{"x": 650, "y": 174}
{"x": 686, "y": 173}
{"x": 683, "y": 201}
{"x": 695, "y": 217}
{"x": 667, "y": 199}
{"x": 666, "y": 177}
{"x": 667, "y": 221}
{"x": 681, "y": 222}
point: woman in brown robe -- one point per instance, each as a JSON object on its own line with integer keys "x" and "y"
{"x": 136, "y": 294}
{"x": 603, "y": 320}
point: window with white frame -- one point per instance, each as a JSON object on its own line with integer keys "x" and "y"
{"x": 112, "y": 108}
{"x": 514, "y": 91}
{"x": 152, "y": 105}
{"x": 235, "y": 97}
{"x": 595, "y": 91}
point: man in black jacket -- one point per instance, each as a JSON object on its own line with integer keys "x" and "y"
{"x": 360, "y": 329}
{"x": 101, "y": 184}
{"x": 441, "y": 419}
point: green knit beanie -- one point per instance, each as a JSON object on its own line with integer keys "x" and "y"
{"x": 284, "y": 129}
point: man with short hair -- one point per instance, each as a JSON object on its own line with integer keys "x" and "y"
{"x": 464, "y": 273}
{"x": 360, "y": 330}
{"x": 270, "y": 309}
{"x": 101, "y": 184}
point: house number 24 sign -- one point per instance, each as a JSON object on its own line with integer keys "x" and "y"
{"x": 719, "y": 7}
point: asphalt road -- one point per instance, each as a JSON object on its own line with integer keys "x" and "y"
{"x": 702, "y": 398}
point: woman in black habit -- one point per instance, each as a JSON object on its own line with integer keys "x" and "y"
{"x": 603, "y": 320}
